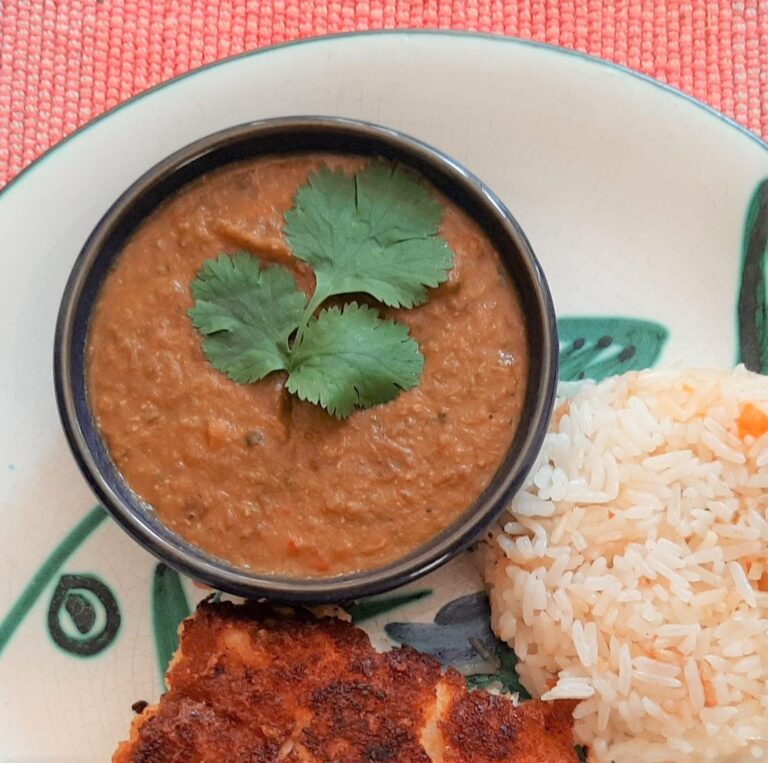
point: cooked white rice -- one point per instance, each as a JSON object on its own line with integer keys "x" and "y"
{"x": 632, "y": 569}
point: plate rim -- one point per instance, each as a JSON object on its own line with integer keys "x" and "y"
{"x": 26, "y": 171}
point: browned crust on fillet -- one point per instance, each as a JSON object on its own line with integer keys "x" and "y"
{"x": 252, "y": 684}
{"x": 486, "y": 728}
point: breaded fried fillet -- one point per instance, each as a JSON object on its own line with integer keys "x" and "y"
{"x": 251, "y": 684}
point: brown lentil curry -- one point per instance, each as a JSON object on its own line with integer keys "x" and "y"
{"x": 256, "y": 476}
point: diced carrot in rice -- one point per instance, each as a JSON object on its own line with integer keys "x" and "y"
{"x": 752, "y": 421}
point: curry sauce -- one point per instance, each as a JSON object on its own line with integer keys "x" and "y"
{"x": 252, "y": 474}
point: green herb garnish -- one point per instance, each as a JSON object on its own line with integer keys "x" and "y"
{"x": 374, "y": 232}
{"x": 247, "y": 314}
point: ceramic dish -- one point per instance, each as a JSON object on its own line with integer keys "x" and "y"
{"x": 634, "y": 197}
{"x": 287, "y": 136}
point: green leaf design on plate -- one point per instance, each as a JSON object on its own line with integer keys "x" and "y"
{"x": 598, "y": 347}
{"x": 460, "y": 635}
{"x": 752, "y": 309}
{"x": 505, "y": 674}
{"x": 83, "y": 616}
{"x": 367, "y": 609}
{"x": 169, "y": 608}
{"x": 44, "y": 574}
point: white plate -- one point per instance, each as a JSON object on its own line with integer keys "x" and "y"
{"x": 634, "y": 197}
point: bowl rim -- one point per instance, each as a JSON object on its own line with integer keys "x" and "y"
{"x": 185, "y": 557}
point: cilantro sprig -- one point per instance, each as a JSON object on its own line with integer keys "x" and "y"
{"x": 374, "y": 232}
{"x": 246, "y": 314}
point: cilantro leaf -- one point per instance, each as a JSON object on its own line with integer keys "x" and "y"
{"x": 352, "y": 357}
{"x": 374, "y": 232}
{"x": 246, "y": 315}
{"x": 396, "y": 204}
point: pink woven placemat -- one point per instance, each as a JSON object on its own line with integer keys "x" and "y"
{"x": 62, "y": 62}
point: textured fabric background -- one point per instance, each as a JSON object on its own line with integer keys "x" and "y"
{"x": 62, "y": 62}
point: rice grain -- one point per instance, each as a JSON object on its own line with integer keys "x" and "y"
{"x": 631, "y": 572}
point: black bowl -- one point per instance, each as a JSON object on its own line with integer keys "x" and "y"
{"x": 283, "y": 136}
